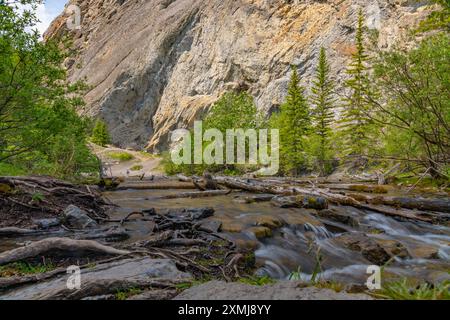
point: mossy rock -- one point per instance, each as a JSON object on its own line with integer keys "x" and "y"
{"x": 268, "y": 222}
{"x": 233, "y": 227}
{"x": 260, "y": 232}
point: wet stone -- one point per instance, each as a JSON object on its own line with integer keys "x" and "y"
{"x": 76, "y": 218}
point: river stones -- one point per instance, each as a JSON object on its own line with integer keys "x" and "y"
{"x": 259, "y": 232}
{"x": 341, "y": 216}
{"x": 282, "y": 290}
{"x": 300, "y": 218}
{"x": 231, "y": 226}
{"x": 75, "y": 218}
{"x": 307, "y": 202}
{"x": 377, "y": 251}
{"x": 210, "y": 226}
{"x": 271, "y": 222}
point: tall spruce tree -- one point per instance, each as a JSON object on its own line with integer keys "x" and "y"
{"x": 355, "y": 124}
{"x": 323, "y": 104}
{"x": 295, "y": 124}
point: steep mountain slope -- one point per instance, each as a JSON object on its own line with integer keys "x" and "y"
{"x": 155, "y": 65}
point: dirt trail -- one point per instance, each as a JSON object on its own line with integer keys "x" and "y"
{"x": 140, "y": 163}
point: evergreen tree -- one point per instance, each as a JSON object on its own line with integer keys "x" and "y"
{"x": 355, "y": 124}
{"x": 100, "y": 134}
{"x": 323, "y": 112}
{"x": 294, "y": 123}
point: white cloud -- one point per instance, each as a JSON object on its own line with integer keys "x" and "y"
{"x": 45, "y": 12}
{"x": 45, "y": 17}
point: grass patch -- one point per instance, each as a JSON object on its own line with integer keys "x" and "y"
{"x": 189, "y": 284}
{"x": 7, "y": 169}
{"x": 422, "y": 183}
{"x": 120, "y": 155}
{"x": 257, "y": 281}
{"x": 405, "y": 290}
{"x": 24, "y": 268}
{"x": 125, "y": 294}
{"x": 136, "y": 168}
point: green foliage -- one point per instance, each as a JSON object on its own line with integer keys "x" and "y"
{"x": 324, "y": 105}
{"x": 9, "y": 169}
{"x": 120, "y": 156}
{"x": 415, "y": 85}
{"x": 24, "y": 268}
{"x": 100, "y": 134}
{"x": 258, "y": 281}
{"x": 37, "y": 197}
{"x": 439, "y": 19}
{"x": 405, "y": 290}
{"x": 40, "y": 129}
{"x": 136, "y": 168}
{"x": 234, "y": 110}
{"x": 294, "y": 123}
{"x": 125, "y": 294}
{"x": 356, "y": 126}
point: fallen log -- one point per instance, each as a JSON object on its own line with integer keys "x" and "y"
{"x": 440, "y": 205}
{"x": 156, "y": 186}
{"x": 13, "y": 231}
{"x": 315, "y": 192}
{"x": 196, "y": 194}
{"x": 356, "y": 188}
{"x": 64, "y": 244}
{"x": 350, "y": 201}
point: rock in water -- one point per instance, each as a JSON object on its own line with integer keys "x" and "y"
{"x": 156, "y": 65}
{"x": 76, "y": 218}
{"x": 377, "y": 251}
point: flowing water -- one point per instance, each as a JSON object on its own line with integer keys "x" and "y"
{"x": 303, "y": 243}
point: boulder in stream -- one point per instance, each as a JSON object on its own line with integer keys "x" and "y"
{"x": 377, "y": 251}
{"x": 76, "y": 218}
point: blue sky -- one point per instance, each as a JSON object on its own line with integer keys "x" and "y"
{"x": 47, "y": 11}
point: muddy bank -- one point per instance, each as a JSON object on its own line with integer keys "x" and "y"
{"x": 39, "y": 202}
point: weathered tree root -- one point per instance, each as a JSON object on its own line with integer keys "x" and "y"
{"x": 10, "y": 282}
{"x": 92, "y": 288}
{"x": 64, "y": 244}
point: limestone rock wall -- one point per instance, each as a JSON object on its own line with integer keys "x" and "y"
{"x": 156, "y": 65}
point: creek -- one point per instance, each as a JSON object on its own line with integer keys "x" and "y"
{"x": 304, "y": 242}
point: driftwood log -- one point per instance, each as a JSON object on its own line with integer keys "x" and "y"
{"x": 70, "y": 246}
{"x": 196, "y": 194}
{"x": 377, "y": 204}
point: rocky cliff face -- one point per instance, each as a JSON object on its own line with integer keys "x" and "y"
{"x": 156, "y": 65}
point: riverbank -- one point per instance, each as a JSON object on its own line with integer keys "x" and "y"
{"x": 184, "y": 237}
